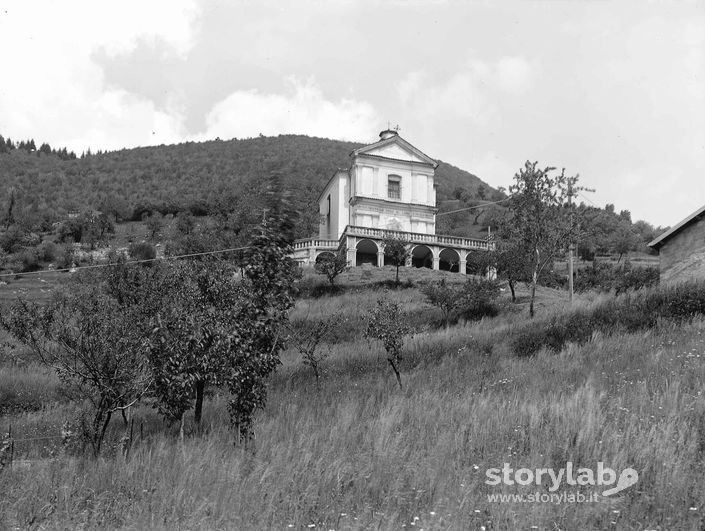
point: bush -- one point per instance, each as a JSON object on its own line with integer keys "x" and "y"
{"x": 47, "y": 251}
{"x": 632, "y": 312}
{"x": 142, "y": 251}
{"x": 479, "y": 299}
{"x": 30, "y": 260}
{"x": 606, "y": 277}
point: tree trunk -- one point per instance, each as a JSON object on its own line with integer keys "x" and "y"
{"x": 534, "y": 280}
{"x": 511, "y": 288}
{"x": 397, "y": 280}
{"x": 198, "y": 408}
{"x": 99, "y": 433}
{"x": 396, "y": 371}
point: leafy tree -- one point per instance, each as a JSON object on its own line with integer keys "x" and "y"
{"x": 445, "y": 297}
{"x": 93, "y": 344}
{"x": 154, "y": 223}
{"x": 387, "y": 323}
{"x": 188, "y": 345}
{"x": 398, "y": 251}
{"x": 511, "y": 262}
{"x": 142, "y": 251}
{"x": 332, "y": 265}
{"x": 478, "y": 298}
{"x": 308, "y": 339}
{"x": 114, "y": 206}
{"x": 540, "y": 223}
{"x": 256, "y": 339}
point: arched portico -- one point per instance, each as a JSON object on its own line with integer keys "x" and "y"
{"x": 366, "y": 252}
{"x": 422, "y": 256}
{"x": 449, "y": 260}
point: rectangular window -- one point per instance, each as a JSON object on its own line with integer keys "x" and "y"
{"x": 394, "y": 188}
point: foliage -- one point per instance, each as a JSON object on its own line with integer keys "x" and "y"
{"x": 445, "y": 297}
{"x": 478, "y": 299}
{"x": 308, "y": 340}
{"x": 155, "y": 224}
{"x": 638, "y": 311}
{"x": 511, "y": 261}
{"x": 188, "y": 344}
{"x": 200, "y": 178}
{"x": 332, "y": 265}
{"x": 142, "y": 251}
{"x": 257, "y": 339}
{"x": 540, "y": 225}
{"x": 91, "y": 342}
{"x": 387, "y": 323}
{"x": 398, "y": 250}
{"x": 605, "y": 277}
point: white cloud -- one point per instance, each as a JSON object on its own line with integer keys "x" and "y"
{"x": 54, "y": 91}
{"x": 302, "y": 109}
{"x": 471, "y": 93}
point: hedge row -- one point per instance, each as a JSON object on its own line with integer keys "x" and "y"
{"x": 632, "y": 312}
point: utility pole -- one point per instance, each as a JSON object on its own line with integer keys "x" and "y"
{"x": 571, "y": 245}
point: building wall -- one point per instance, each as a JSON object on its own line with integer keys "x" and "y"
{"x": 411, "y": 212}
{"x": 371, "y": 176}
{"x": 682, "y": 257}
{"x": 333, "y": 222}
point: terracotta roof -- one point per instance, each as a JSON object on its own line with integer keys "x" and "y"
{"x": 661, "y": 240}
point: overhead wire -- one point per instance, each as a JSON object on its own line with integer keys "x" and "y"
{"x": 128, "y": 262}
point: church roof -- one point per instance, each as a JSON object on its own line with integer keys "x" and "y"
{"x": 392, "y": 138}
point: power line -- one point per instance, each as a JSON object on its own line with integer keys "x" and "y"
{"x": 474, "y": 207}
{"x": 129, "y": 262}
{"x": 588, "y": 199}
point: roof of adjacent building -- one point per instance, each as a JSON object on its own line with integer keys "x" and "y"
{"x": 670, "y": 233}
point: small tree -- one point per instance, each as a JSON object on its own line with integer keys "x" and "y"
{"x": 308, "y": 340}
{"x": 387, "y": 323}
{"x": 478, "y": 296}
{"x": 332, "y": 265}
{"x": 92, "y": 343}
{"x": 154, "y": 223}
{"x": 540, "y": 224}
{"x": 444, "y": 297}
{"x": 397, "y": 250}
{"x": 511, "y": 263}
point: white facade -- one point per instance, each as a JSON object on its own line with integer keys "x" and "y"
{"x": 389, "y": 185}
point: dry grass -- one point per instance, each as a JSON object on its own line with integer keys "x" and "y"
{"x": 360, "y": 454}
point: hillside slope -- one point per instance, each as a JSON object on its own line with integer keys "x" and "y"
{"x": 201, "y": 177}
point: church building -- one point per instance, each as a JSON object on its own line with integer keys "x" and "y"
{"x": 389, "y": 190}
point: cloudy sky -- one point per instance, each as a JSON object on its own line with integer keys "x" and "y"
{"x": 614, "y": 91}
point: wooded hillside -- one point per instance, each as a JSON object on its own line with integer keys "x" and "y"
{"x": 203, "y": 178}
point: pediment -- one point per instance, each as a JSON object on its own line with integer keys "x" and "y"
{"x": 395, "y": 148}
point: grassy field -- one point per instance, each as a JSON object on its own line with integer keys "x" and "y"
{"x": 359, "y": 453}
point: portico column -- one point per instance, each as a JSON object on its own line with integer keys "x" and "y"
{"x": 380, "y": 258}
{"x": 352, "y": 251}
{"x": 436, "y": 258}
{"x": 463, "y": 262}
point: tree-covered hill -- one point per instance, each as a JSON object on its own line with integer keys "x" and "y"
{"x": 203, "y": 178}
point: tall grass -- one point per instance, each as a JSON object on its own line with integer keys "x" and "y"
{"x": 361, "y": 454}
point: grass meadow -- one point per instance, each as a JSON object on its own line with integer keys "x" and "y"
{"x": 359, "y": 453}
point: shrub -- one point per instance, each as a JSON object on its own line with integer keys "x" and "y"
{"x": 606, "y": 277}
{"x": 47, "y": 251}
{"x": 478, "y": 299}
{"x": 30, "y": 260}
{"x": 142, "y": 251}
{"x": 632, "y": 312}
{"x": 332, "y": 265}
{"x": 445, "y": 297}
